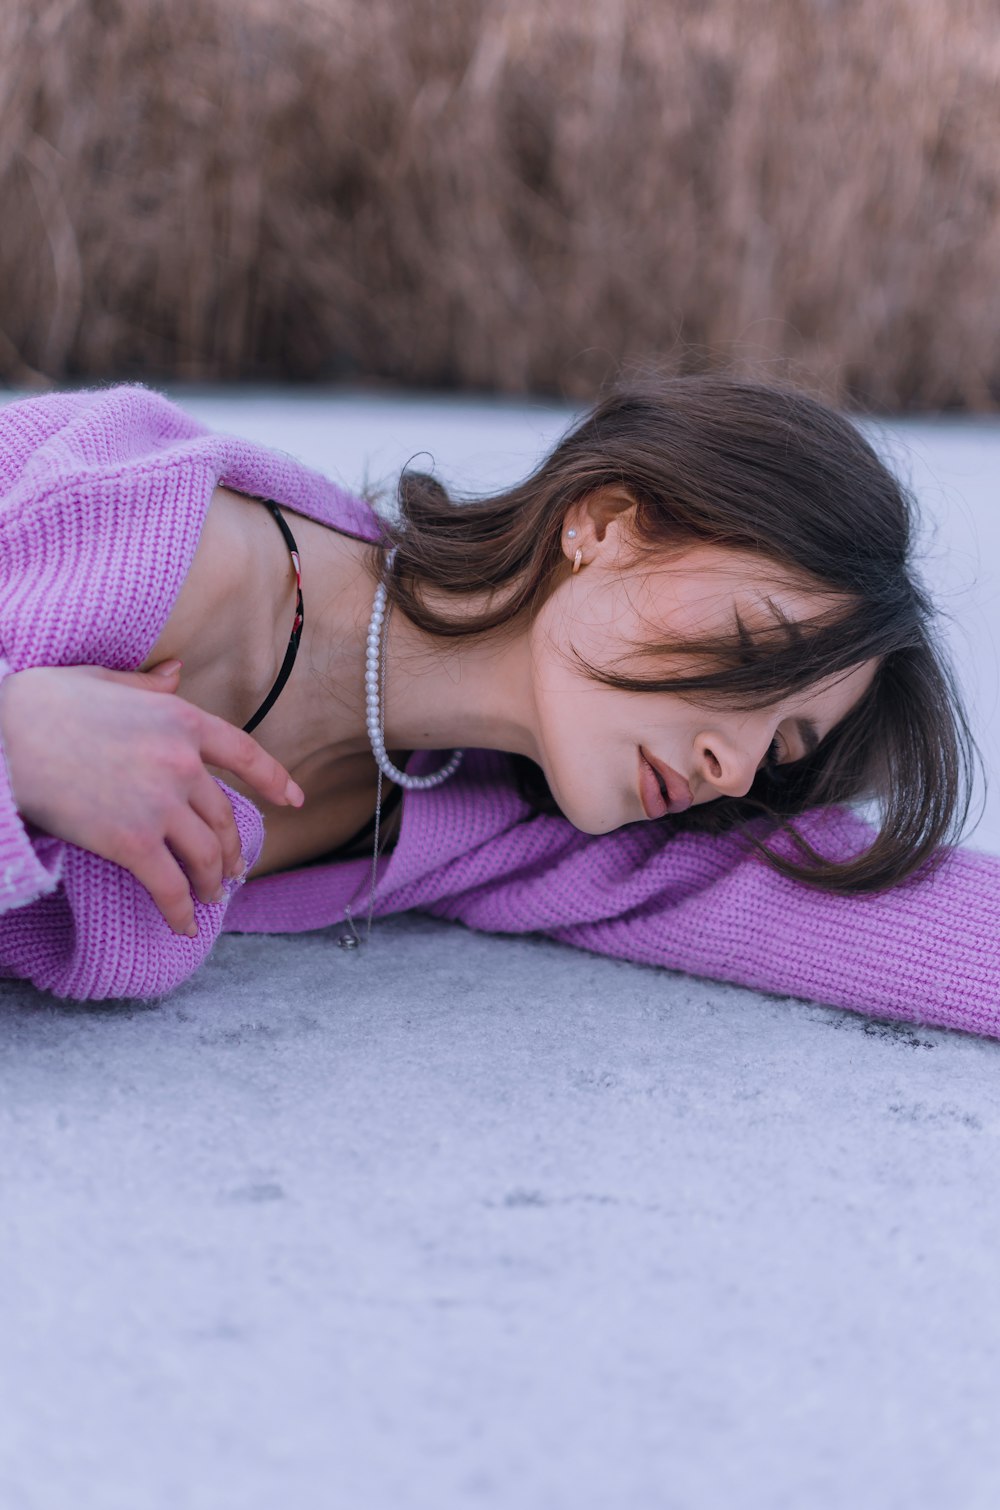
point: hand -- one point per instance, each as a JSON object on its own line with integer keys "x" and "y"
{"x": 105, "y": 761}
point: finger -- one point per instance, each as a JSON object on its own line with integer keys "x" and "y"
{"x": 233, "y": 750}
{"x": 197, "y": 848}
{"x": 213, "y": 806}
{"x": 169, "y": 888}
{"x": 164, "y": 677}
{"x": 163, "y": 673}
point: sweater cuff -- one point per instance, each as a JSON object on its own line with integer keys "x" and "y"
{"x": 28, "y": 870}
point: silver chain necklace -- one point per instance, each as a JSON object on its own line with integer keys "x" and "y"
{"x": 375, "y": 674}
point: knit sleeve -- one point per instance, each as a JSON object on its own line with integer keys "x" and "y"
{"x": 927, "y": 951}
{"x": 102, "y": 497}
{"x": 27, "y": 870}
{"x": 97, "y": 934}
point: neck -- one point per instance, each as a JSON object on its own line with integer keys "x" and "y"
{"x": 458, "y": 693}
{"x": 440, "y": 693}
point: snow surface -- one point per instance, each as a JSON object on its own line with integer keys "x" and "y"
{"x": 463, "y": 1221}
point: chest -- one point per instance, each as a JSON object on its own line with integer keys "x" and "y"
{"x": 230, "y": 627}
{"x": 336, "y": 817}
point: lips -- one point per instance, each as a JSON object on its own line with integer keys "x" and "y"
{"x": 661, "y": 789}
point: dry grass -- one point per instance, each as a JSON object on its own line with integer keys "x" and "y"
{"x": 512, "y": 194}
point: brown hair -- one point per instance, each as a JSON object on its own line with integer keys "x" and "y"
{"x": 764, "y": 470}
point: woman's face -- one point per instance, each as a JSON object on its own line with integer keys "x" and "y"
{"x": 614, "y": 757}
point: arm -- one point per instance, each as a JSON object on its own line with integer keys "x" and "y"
{"x": 104, "y": 797}
{"x": 928, "y": 951}
{"x": 102, "y": 499}
{"x": 27, "y": 871}
{"x": 98, "y": 934}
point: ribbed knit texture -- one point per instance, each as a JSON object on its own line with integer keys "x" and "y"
{"x": 102, "y": 499}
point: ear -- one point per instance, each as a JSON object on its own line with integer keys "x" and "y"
{"x": 598, "y": 522}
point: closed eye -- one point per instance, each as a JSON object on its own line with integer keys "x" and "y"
{"x": 778, "y": 754}
{"x": 772, "y": 758}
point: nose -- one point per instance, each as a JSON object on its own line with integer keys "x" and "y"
{"x": 727, "y": 769}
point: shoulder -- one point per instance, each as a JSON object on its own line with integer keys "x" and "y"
{"x": 95, "y": 452}
{"x": 97, "y": 446}
{"x": 102, "y": 498}
{"x": 93, "y": 429}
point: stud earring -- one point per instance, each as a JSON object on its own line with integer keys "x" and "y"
{"x": 571, "y": 534}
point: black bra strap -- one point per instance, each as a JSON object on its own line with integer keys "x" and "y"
{"x": 296, "y": 635}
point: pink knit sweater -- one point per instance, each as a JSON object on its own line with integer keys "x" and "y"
{"x": 102, "y": 498}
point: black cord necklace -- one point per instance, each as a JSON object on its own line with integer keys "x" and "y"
{"x": 296, "y": 634}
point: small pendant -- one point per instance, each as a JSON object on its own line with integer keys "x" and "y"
{"x": 347, "y": 941}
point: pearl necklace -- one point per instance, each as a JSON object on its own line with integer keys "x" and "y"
{"x": 375, "y": 717}
{"x": 375, "y": 701}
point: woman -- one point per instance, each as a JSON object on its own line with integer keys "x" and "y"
{"x": 694, "y": 621}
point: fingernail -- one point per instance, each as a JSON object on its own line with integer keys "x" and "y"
{"x": 220, "y": 895}
{"x": 192, "y": 932}
{"x": 167, "y": 668}
{"x": 239, "y": 873}
{"x": 296, "y": 796}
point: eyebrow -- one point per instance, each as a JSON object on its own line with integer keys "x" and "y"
{"x": 808, "y": 733}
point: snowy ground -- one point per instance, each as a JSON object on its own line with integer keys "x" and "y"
{"x": 462, "y": 1221}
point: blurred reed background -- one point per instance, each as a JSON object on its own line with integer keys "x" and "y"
{"x": 504, "y": 194}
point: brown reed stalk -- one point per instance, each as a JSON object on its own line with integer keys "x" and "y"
{"x": 504, "y": 194}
